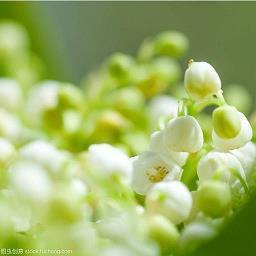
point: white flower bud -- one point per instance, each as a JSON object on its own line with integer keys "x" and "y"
{"x": 220, "y": 166}
{"x": 183, "y": 134}
{"x": 45, "y": 154}
{"x": 10, "y": 94}
{"x": 7, "y": 151}
{"x": 243, "y": 136}
{"x": 109, "y": 160}
{"x": 30, "y": 181}
{"x": 201, "y": 80}
{"x": 10, "y": 126}
{"x": 157, "y": 145}
{"x": 194, "y": 234}
{"x": 161, "y": 106}
{"x": 149, "y": 169}
{"x": 246, "y": 155}
{"x": 171, "y": 199}
{"x": 42, "y": 96}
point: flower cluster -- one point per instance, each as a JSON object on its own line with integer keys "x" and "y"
{"x": 224, "y": 163}
{"x": 79, "y": 172}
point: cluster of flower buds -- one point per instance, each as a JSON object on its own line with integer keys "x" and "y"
{"x": 224, "y": 163}
{"x": 79, "y": 173}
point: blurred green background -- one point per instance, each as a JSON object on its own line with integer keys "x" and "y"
{"x": 74, "y": 37}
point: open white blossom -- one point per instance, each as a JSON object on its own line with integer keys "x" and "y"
{"x": 201, "y": 80}
{"x": 161, "y": 106}
{"x": 244, "y": 136}
{"x": 30, "y": 181}
{"x": 221, "y": 166}
{"x": 157, "y": 144}
{"x": 246, "y": 155}
{"x": 7, "y": 151}
{"x": 183, "y": 134}
{"x": 45, "y": 154}
{"x": 149, "y": 168}
{"x": 10, "y": 94}
{"x": 172, "y": 199}
{"x": 109, "y": 160}
{"x": 43, "y": 96}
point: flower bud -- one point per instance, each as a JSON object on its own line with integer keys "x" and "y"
{"x": 171, "y": 43}
{"x": 226, "y": 122}
{"x": 183, "y": 134}
{"x": 45, "y": 154}
{"x": 119, "y": 66}
{"x": 161, "y": 106}
{"x": 194, "y": 234}
{"x": 108, "y": 160}
{"x": 164, "y": 232}
{"x": 10, "y": 94}
{"x": 219, "y": 166}
{"x": 214, "y": 199}
{"x": 30, "y": 181}
{"x": 7, "y": 152}
{"x": 247, "y": 156}
{"x": 149, "y": 169}
{"x": 223, "y": 121}
{"x": 157, "y": 145}
{"x": 201, "y": 80}
{"x": 171, "y": 199}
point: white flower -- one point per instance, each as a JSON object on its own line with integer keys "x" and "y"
{"x": 10, "y": 126}
{"x": 244, "y": 136}
{"x": 221, "y": 166}
{"x": 30, "y": 181}
{"x": 183, "y": 134}
{"x": 10, "y": 94}
{"x": 246, "y": 155}
{"x": 162, "y": 106}
{"x": 109, "y": 160}
{"x": 45, "y": 154}
{"x": 201, "y": 80}
{"x": 172, "y": 199}
{"x": 42, "y": 96}
{"x": 7, "y": 151}
{"x": 157, "y": 144}
{"x": 149, "y": 169}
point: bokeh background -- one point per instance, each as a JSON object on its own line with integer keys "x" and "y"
{"x": 74, "y": 37}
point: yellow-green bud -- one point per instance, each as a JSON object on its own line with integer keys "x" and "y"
{"x": 214, "y": 198}
{"x": 119, "y": 66}
{"x": 163, "y": 232}
{"x": 201, "y": 80}
{"x": 226, "y": 122}
{"x": 171, "y": 43}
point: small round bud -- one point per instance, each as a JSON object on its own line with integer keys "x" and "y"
{"x": 183, "y": 134}
{"x": 226, "y": 122}
{"x": 214, "y": 198}
{"x": 201, "y": 80}
{"x": 172, "y": 199}
{"x": 243, "y": 136}
{"x": 119, "y": 66}
{"x": 171, "y": 43}
{"x": 219, "y": 166}
{"x": 163, "y": 232}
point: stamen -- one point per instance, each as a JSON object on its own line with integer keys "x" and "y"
{"x": 157, "y": 174}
